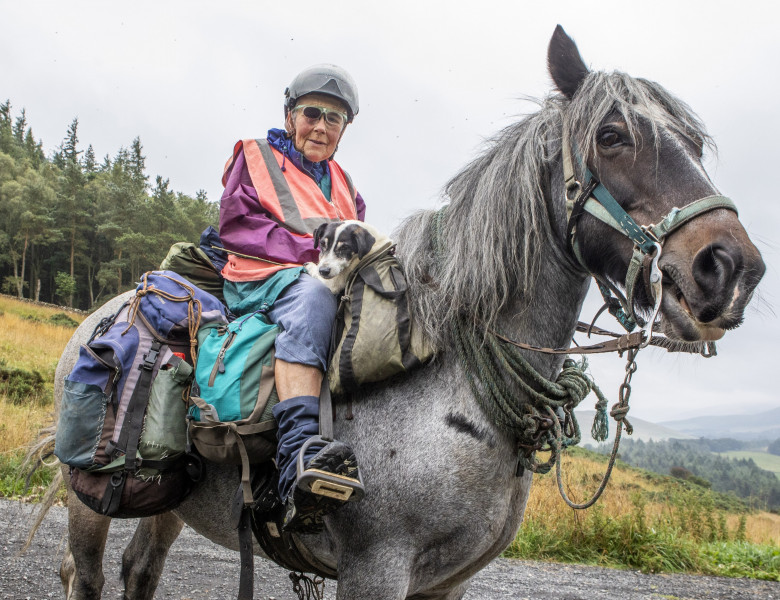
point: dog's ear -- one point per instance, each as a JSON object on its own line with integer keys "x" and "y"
{"x": 364, "y": 241}
{"x": 318, "y": 233}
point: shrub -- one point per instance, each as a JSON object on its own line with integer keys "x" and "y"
{"x": 65, "y": 285}
{"x": 15, "y": 483}
{"x": 63, "y": 320}
{"x": 21, "y": 385}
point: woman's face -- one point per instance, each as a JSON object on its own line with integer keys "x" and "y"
{"x": 315, "y": 139}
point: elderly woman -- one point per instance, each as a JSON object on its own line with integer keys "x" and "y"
{"x": 278, "y": 190}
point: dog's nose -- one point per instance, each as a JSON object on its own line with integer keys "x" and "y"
{"x": 324, "y": 271}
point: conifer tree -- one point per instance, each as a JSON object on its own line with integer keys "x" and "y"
{"x": 6, "y": 127}
{"x": 89, "y": 164}
{"x": 72, "y": 210}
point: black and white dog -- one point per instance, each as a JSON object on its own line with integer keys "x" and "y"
{"x": 342, "y": 245}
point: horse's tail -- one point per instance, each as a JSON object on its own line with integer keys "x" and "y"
{"x": 40, "y": 454}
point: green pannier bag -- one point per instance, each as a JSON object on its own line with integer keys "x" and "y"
{"x": 375, "y": 336}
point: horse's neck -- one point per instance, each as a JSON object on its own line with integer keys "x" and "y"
{"x": 548, "y": 315}
{"x": 548, "y": 321}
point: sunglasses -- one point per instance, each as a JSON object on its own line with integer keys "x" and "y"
{"x": 333, "y": 118}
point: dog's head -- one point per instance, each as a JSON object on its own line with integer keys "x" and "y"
{"x": 341, "y": 245}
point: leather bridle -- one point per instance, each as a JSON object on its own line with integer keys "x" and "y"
{"x": 591, "y": 196}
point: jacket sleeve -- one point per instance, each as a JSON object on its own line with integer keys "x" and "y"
{"x": 247, "y": 228}
{"x": 360, "y": 207}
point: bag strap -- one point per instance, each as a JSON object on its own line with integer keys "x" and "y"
{"x": 130, "y": 434}
{"x": 346, "y": 372}
{"x": 370, "y": 275}
{"x": 326, "y": 410}
{"x": 241, "y": 515}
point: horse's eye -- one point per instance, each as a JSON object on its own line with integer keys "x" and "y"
{"x": 609, "y": 139}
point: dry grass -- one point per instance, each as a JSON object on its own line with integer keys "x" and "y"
{"x": 581, "y": 477}
{"x": 27, "y": 341}
{"x": 19, "y": 425}
{"x": 761, "y": 528}
{"x": 30, "y": 344}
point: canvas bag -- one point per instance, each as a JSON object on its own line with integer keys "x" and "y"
{"x": 199, "y": 264}
{"x": 375, "y": 336}
{"x": 122, "y": 425}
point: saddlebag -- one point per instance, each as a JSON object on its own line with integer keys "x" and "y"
{"x": 122, "y": 425}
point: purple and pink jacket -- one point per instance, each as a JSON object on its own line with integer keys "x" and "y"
{"x": 250, "y": 223}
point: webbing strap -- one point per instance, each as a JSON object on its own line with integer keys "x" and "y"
{"x": 624, "y": 220}
{"x": 246, "y": 581}
{"x": 679, "y": 216}
{"x": 326, "y": 410}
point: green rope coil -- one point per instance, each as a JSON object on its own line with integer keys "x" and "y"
{"x": 501, "y": 379}
{"x": 497, "y": 372}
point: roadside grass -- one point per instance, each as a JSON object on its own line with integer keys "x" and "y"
{"x": 646, "y": 521}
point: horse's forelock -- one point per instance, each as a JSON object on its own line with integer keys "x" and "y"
{"x": 631, "y": 99}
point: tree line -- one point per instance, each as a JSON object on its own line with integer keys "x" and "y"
{"x": 77, "y": 231}
{"x": 694, "y": 461}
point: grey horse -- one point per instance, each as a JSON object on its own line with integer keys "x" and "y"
{"x": 443, "y": 494}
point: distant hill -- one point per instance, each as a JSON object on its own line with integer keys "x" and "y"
{"x": 643, "y": 430}
{"x": 764, "y": 425}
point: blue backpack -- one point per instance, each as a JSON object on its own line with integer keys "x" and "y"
{"x": 122, "y": 426}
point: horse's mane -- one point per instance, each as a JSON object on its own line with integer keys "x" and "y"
{"x": 496, "y": 224}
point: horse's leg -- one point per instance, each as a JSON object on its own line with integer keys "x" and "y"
{"x": 377, "y": 575}
{"x": 386, "y": 580}
{"x": 454, "y": 594}
{"x": 144, "y": 557}
{"x": 81, "y": 570}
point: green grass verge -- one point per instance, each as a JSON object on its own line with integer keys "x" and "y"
{"x": 695, "y": 541}
{"x": 598, "y": 539}
{"x": 742, "y": 559}
{"x": 13, "y": 480}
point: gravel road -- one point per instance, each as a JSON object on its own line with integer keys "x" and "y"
{"x": 199, "y": 570}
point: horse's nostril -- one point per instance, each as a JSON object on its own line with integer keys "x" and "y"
{"x": 715, "y": 266}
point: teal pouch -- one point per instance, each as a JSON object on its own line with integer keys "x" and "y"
{"x": 231, "y": 360}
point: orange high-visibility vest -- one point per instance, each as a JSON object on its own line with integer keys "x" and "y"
{"x": 292, "y": 198}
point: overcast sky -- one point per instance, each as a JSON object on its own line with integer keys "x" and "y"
{"x": 436, "y": 79}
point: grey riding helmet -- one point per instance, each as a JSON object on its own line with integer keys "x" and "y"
{"x": 327, "y": 79}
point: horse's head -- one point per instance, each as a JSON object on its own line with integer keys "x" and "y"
{"x": 645, "y": 147}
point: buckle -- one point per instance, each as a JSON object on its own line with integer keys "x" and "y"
{"x": 150, "y": 359}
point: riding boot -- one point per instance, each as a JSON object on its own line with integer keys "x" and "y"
{"x": 306, "y": 504}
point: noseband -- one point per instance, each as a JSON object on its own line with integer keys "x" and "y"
{"x": 594, "y": 198}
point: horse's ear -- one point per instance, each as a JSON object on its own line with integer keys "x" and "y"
{"x": 565, "y": 63}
